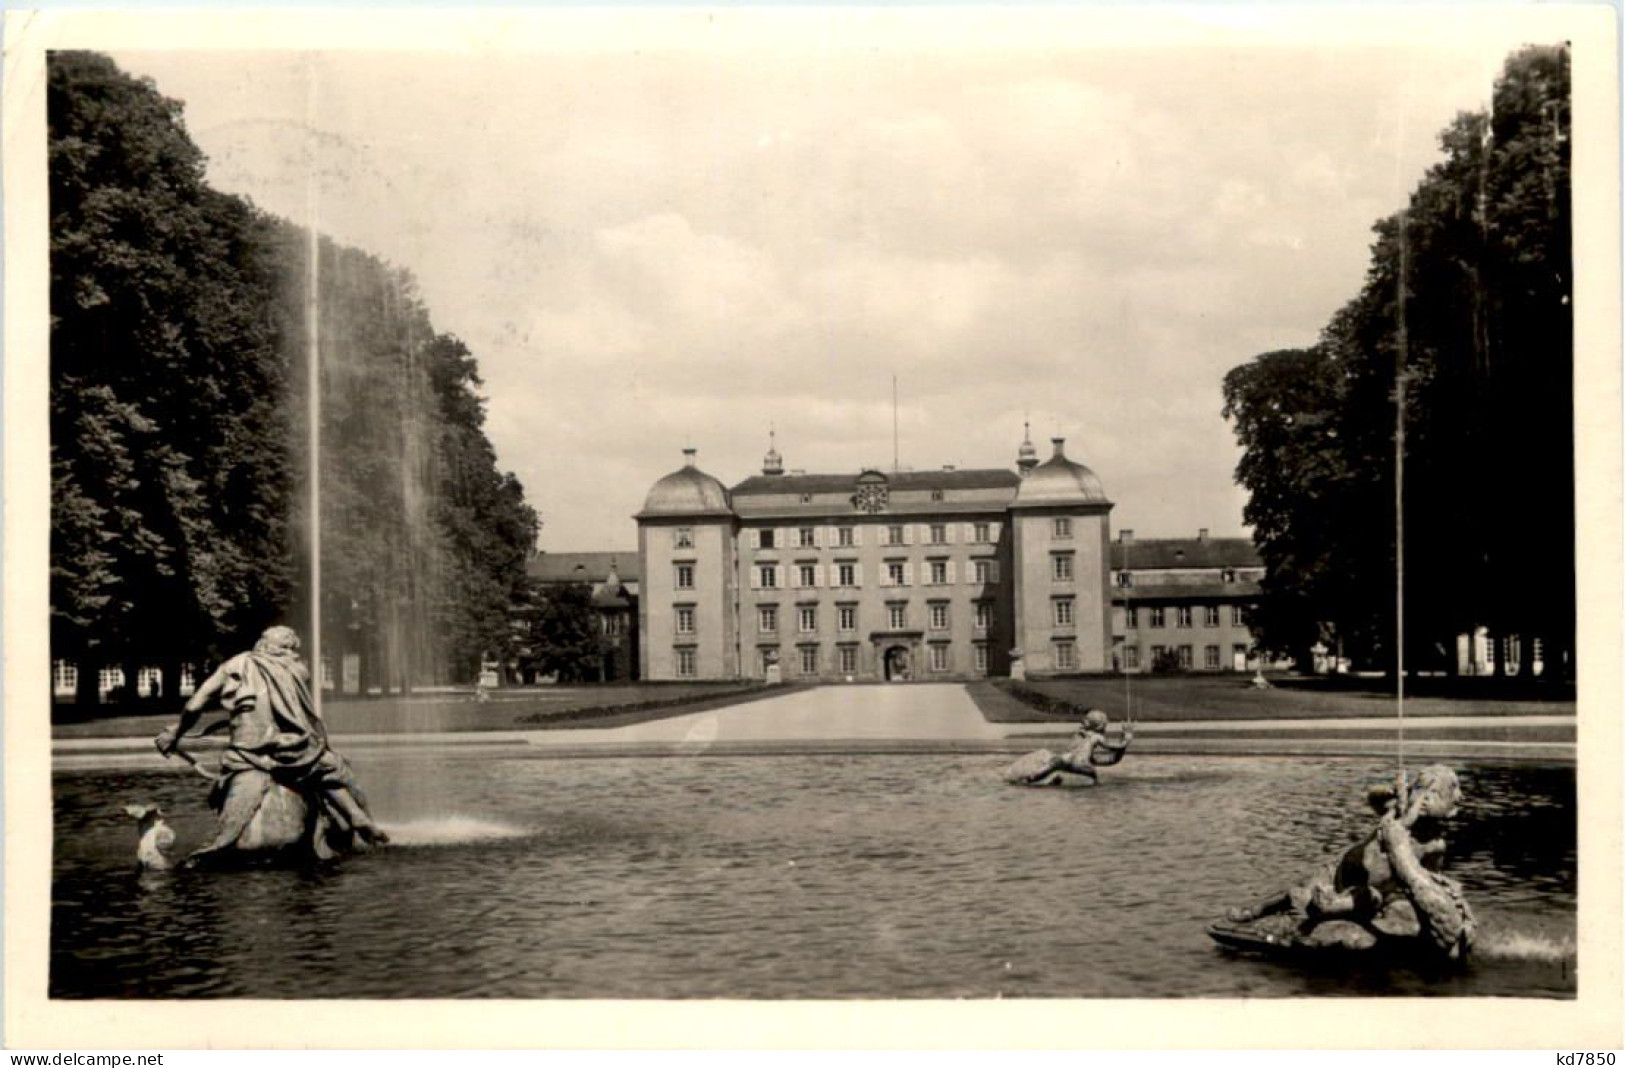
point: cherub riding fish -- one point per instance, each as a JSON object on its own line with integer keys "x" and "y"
{"x": 1386, "y": 890}
{"x": 1091, "y": 748}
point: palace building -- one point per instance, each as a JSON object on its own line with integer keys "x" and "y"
{"x": 944, "y": 574}
{"x": 1183, "y": 602}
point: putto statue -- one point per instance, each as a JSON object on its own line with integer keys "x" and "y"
{"x": 1386, "y": 892}
{"x": 1091, "y": 748}
{"x": 281, "y": 786}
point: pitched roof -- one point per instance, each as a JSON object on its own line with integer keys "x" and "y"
{"x": 1143, "y": 554}
{"x": 561, "y": 567}
{"x": 899, "y": 481}
{"x": 1195, "y": 591}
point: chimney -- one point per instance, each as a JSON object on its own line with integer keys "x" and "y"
{"x": 1125, "y": 535}
{"x": 688, "y": 456}
{"x": 1059, "y": 453}
{"x": 1201, "y": 534}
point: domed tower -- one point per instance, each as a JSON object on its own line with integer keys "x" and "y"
{"x": 1060, "y": 525}
{"x": 772, "y": 463}
{"x": 1026, "y": 456}
{"x": 685, "y": 600}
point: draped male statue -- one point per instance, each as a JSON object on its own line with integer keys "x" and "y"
{"x": 280, "y": 783}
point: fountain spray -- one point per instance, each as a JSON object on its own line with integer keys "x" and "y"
{"x": 313, "y": 372}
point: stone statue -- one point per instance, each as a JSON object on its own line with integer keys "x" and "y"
{"x": 1385, "y": 891}
{"x": 280, "y": 785}
{"x": 1091, "y": 748}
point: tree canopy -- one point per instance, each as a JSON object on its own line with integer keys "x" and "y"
{"x": 561, "y": 633}
{"x": 1468, "y": 297}
{"x": 179, "y": 523}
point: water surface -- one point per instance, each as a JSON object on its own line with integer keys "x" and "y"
{"x": 789, "y": 877}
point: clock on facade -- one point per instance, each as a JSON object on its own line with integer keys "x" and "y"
{"x": 871, "y": 497}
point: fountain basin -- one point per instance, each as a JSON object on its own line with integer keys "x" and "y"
{"x": 908, "y": 875}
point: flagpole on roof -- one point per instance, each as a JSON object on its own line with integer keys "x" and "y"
{"x": 894, "y": 453}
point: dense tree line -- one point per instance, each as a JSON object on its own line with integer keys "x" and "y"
{"x": 179, "y": 422}
{"x": 1467, "y": 302}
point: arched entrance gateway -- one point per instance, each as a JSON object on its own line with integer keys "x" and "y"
{"x": 897, "y": 655}
{"x": 895, "y": 664}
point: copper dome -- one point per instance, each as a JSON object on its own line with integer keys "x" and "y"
{"x": 687, "y": 491}
{"x": 1060, "y": 481}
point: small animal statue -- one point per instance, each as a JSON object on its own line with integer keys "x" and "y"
{"x": 155, "y": 837}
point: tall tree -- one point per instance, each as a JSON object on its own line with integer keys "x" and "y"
{"x": 165, "y": 370}
{"x": 561, "y": 633}
{"x": 489, "y": 528}
{"x": 1467, "y": 298}
{"x": 179, "y": 420}
{"x": 1285, "y": 408}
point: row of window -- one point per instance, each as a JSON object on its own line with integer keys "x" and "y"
{"x": 1063, "y": 613}
{"x": 939, "y": 658}
{"x": 1157, "y": 616}
{"x": 846, "y": 617}
{"x": 894, "y": 534}
{"x": 1183, "y": 655}
{"x": 848, "y": 574}
{"x": 819, "y": 537}
{"x": 149, "y": 680}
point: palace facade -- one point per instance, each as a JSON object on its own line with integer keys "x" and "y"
{"x": 944, "y": 574}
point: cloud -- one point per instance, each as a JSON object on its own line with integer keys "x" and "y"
{"x": 666, "y": 247}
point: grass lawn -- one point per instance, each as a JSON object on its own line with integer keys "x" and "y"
{"x": 527, "y": 708}
{"x": 1162, "y": 698}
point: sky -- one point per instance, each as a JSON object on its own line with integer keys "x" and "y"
{"x": 650, "y": 245}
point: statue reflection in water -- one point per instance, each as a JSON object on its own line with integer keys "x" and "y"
{"x": 281, "y": 786}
